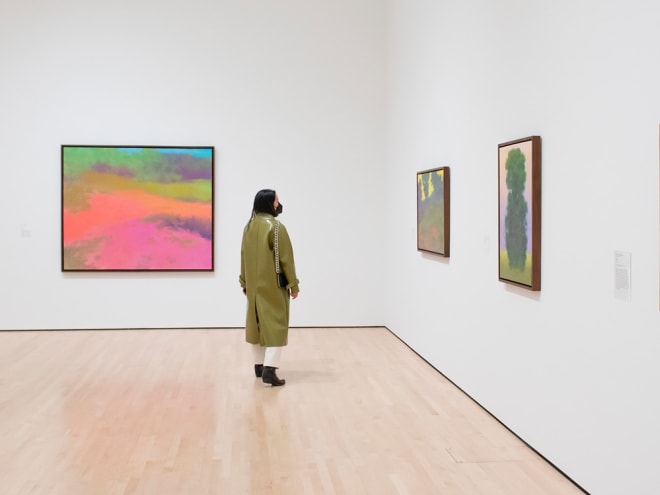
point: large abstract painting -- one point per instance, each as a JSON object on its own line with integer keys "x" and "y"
{"x": 433, "y": 211}
{"x": 137, "y": 208}
{"x": 520, "y": 212}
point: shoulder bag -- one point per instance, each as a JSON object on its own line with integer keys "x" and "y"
{"x": 281, "y": 278}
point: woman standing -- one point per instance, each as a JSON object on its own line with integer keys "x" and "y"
{"x": 267, "y": 321}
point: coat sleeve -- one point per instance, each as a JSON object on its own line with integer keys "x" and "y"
{"x": 241, "y": 277}
{"x": 287, "y": 264}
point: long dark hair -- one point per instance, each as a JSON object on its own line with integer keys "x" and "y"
{"x": 263, "y": 202}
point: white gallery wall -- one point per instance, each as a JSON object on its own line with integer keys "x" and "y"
{"x": 292, "y": 96}
{"x": 571, "y": 369}
{"x": 337, "y": 104}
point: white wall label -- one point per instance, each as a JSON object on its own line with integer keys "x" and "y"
{"x": 622, "y": 282}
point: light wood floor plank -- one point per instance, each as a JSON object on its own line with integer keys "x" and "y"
{"x": 137, "y": 412}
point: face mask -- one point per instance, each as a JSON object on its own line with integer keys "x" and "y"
{"x": 279, "y": 209}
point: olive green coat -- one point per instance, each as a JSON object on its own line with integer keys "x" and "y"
{"x": 267, "y": 321}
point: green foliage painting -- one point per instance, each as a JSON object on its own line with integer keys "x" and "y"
{"x": 433, "y": 211}
{"x": 516, "y": 207}
{"x": 516, "y": 210}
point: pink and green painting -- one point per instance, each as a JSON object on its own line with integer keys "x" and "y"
{"x": 520, "y": 212}
{"x": 137, "y": 208}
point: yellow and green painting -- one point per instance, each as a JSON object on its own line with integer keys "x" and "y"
{"x": 431, "y": 211}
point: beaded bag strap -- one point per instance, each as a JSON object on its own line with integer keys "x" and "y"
{"x": 277, "y": 246}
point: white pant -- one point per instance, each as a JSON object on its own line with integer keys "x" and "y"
{"x": 269, "y": 356}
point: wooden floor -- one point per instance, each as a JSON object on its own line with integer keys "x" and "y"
{"x": 180, "y": 412}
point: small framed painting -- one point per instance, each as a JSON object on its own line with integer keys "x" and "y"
{"x": 128, "y": 208}
{"x": 433, "y": 211}
{"x": 519, "y": 188}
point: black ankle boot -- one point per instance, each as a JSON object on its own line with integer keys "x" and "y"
{"x": 269, "y": 377}
{"x": 258, "y": 370}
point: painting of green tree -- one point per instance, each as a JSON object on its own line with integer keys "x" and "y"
{"x": 515, "y": 213}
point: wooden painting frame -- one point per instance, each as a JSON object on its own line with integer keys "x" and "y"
{"x": 137, "y": 208}
{"x": 433, "y": 210}
{"x": 519, "y": 212}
